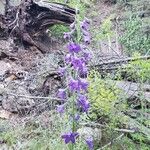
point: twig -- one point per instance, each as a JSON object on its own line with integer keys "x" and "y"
{"x": 94, "y": 125}
{"x": 34, "y": 97}
{"x": 125, "y": 130}
{"x": 108, "y": 144}
{"x": 121, "y": 60}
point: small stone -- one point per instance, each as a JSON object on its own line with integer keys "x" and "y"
{"x": 88, "y": 132}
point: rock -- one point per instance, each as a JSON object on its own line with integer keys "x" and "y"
{"x": 18, "y": 104}
{"x": 5, "y": 114}
{"x": 87, "y": 132}
{"x": 2, "y": 7}
{"x": 4, "y": 67}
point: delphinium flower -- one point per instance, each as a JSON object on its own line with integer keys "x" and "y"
{"x": 89, "y": 142}
{"x": 86, "y": 56}
{"x": 61, "y": 109}
{"x": 62, "y": 94}
{"x": 77, "y": 63}
{"x": 75, "y": 72}
{"x": 73, "y": 85}
{"x": 83, "y": 103}
{"x": 83, "y": 71}
{"x": 83, "y": 84}
{"x": 74, "y": 47}
{"x": 67, "y": 35}
{"x": 62, "y": 71}
{"x": 68, "y": 58}
{"x": 70, "y": 137}
{"x": 76, "y": 117}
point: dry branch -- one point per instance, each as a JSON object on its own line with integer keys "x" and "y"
{"x": 121, "y": 61}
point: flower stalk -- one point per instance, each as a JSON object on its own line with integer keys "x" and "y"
{"x": 75, "y": 73}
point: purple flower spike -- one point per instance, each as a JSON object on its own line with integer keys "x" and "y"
{"x": 61, "y": 109}
{"x": 90, "y": 144}
{"x": 83, "y": 103}
{"x": 61, "y": 94}
{"x": 62, "y": 71}
{"x": 70, "y": 137}
{"x": 73, "y": 85}
{"x": 83, "y": 84}
{"x": 73, "y": 47}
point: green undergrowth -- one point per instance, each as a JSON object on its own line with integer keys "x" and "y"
{"x": 137, "y": 71}
{"x": 135, "y": 39}
{"x": 37, "y": 134}
{"x": 125, "y": 143}
{"x": 134, "y": 26}
{"x": 103, "y": 95}
{"x": 81, "y": 6}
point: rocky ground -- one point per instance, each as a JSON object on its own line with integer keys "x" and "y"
{"x": 25, "y": 72}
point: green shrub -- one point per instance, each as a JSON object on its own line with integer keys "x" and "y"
{"x": 134, "y": 39}
{"x": 138, "y": 70}
{"x": 102, "y": 93}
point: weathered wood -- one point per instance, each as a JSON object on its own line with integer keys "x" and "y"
{"x": 30, "y": 19}
{"x": 131, "y": 89}
{"x": 121, "y": 61}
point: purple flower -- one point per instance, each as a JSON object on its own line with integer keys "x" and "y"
{"x": 62, "y": 71}
{"x": 73, "y": 85}
{"x": 68, "y": 58}
{"x": 70, "y": 137}
{"x": 83, "y": 71}
{"x": 61, "y": 108}
{"x": 85, "y": 24}
{"x": 76, "y": 117}
{"x": 73, "y": 47}
{"x": 87, "y": 39}
{"x": 83, "y": 103}
{"x": 85, "y": 33}
{"x": 67, "y": 35}
{"x": 87, "y": 56}
{"x": 62, "y": 94}
{"x": 90, "y": 144}
{"x": 83, "y": 84}
{"x": 77, "y": 63}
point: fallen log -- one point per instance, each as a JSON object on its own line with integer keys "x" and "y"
{"x": 28, "y": 21}
{"x": 136, "y": 90}
{"x": 120, "y": 61}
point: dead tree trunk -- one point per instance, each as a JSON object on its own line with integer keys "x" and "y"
{"x": 30, "y": 19}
